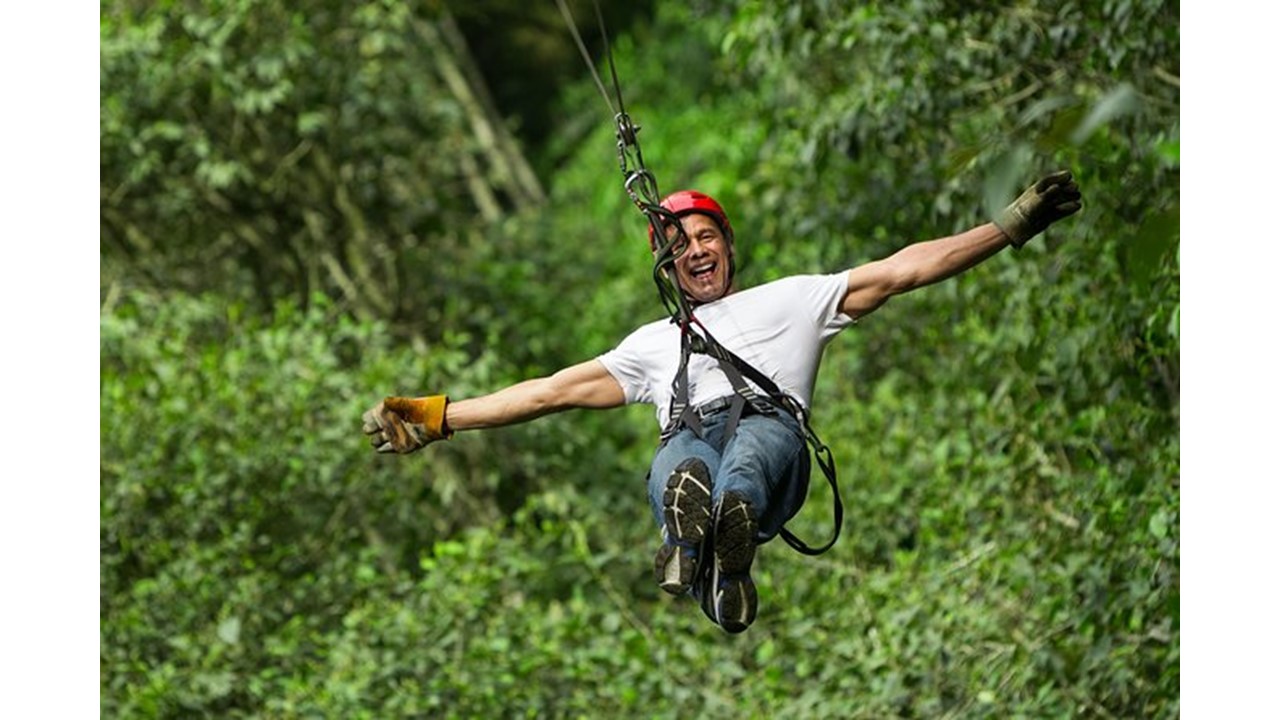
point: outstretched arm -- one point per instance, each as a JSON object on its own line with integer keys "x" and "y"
{"x": 585, "y": 385}
{"x": 1050, "y": 199}
{"x": 918, "y": 265}
{"x": 403, "y": 424}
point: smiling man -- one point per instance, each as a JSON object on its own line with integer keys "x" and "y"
{"x": 725, "y": 477}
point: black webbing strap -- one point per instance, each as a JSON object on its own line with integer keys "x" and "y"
{"x": 682, "y": 413}
{"x": 821, "y": 453}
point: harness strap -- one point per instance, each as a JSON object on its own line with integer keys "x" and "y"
{"x": 821, "y": 453}
{"x": 682, "y": 413}
{"x": 826, "y": 461}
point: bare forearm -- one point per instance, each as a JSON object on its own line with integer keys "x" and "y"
{"x": 516, "y": 404}
{"x": 585, "y": 385}
{"x": 928, "y": 262}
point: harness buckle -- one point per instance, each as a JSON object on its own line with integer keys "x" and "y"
{"x": 711, "y": 407}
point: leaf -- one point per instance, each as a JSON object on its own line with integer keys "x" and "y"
{"x": 1121, "y": 101}
{"x": 960, "y": 159}
{"x": 229, "y": 630}
{"x": 1159, "y": 524}
{"x": 1157, "y": 234}
{"x": 1001, "y": 185}
{"x": 1061, "y": 128}
{"x": 1045, "y": 106}
{"x": 1168, "y": 150}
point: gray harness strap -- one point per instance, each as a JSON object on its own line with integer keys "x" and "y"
{"x": 682, "y": 413}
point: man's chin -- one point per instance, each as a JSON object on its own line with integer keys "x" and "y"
{"x": 705, "y": 295}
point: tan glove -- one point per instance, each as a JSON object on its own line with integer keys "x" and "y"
{"x": 403, "y": 425}
{"x": 1052, "y": 198}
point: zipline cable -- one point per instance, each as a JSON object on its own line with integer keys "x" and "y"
{"x": 582, "y": 48}
{"x": 640, "y": 184}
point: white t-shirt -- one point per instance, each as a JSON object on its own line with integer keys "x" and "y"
{"x": 780, "y": 328}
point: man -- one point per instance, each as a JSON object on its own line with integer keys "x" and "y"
{"x": 727, "y": 475}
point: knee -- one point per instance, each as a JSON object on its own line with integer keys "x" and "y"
{"x": 752, "y": 486}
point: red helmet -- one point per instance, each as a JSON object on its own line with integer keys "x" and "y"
{"x": 685, "y": 202}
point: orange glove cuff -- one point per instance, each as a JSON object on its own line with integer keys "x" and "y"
{"x": 425, "y": 411}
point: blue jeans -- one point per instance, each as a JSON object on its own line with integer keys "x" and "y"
{"x": 766, "y": 461}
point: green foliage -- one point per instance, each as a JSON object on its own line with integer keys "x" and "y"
{"x": 244, "y": 515}
{"x": 269, "y": 150}
{"x": 1008, "y": 441}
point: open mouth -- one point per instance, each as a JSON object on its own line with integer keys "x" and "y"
{"x": 703, "y": 271}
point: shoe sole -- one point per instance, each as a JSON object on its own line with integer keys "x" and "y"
{"x": 686, "y": 516}
{"x": 734, "y": 600}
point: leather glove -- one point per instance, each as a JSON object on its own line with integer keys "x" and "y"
{"x": 403, "y": 425}
{"x": 1052, "y": 198}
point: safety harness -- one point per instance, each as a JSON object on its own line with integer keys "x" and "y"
{"x": 766, "y": 397}
{"x": 773, "y": 399}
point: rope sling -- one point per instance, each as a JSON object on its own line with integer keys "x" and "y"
{"x": 766, "y": 397}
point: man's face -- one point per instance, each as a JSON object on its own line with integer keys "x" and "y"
{"x": 703, "y": 269}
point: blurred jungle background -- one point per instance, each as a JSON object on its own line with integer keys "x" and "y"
{"x": 306, "y": 206}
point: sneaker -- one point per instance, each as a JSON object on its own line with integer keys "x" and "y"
{"x": 729, "y": 595}
{"x": 686, "y": 518}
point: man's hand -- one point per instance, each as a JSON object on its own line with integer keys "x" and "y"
{"x": 403, "y": 425}
{"x": 1052, "y": 198}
